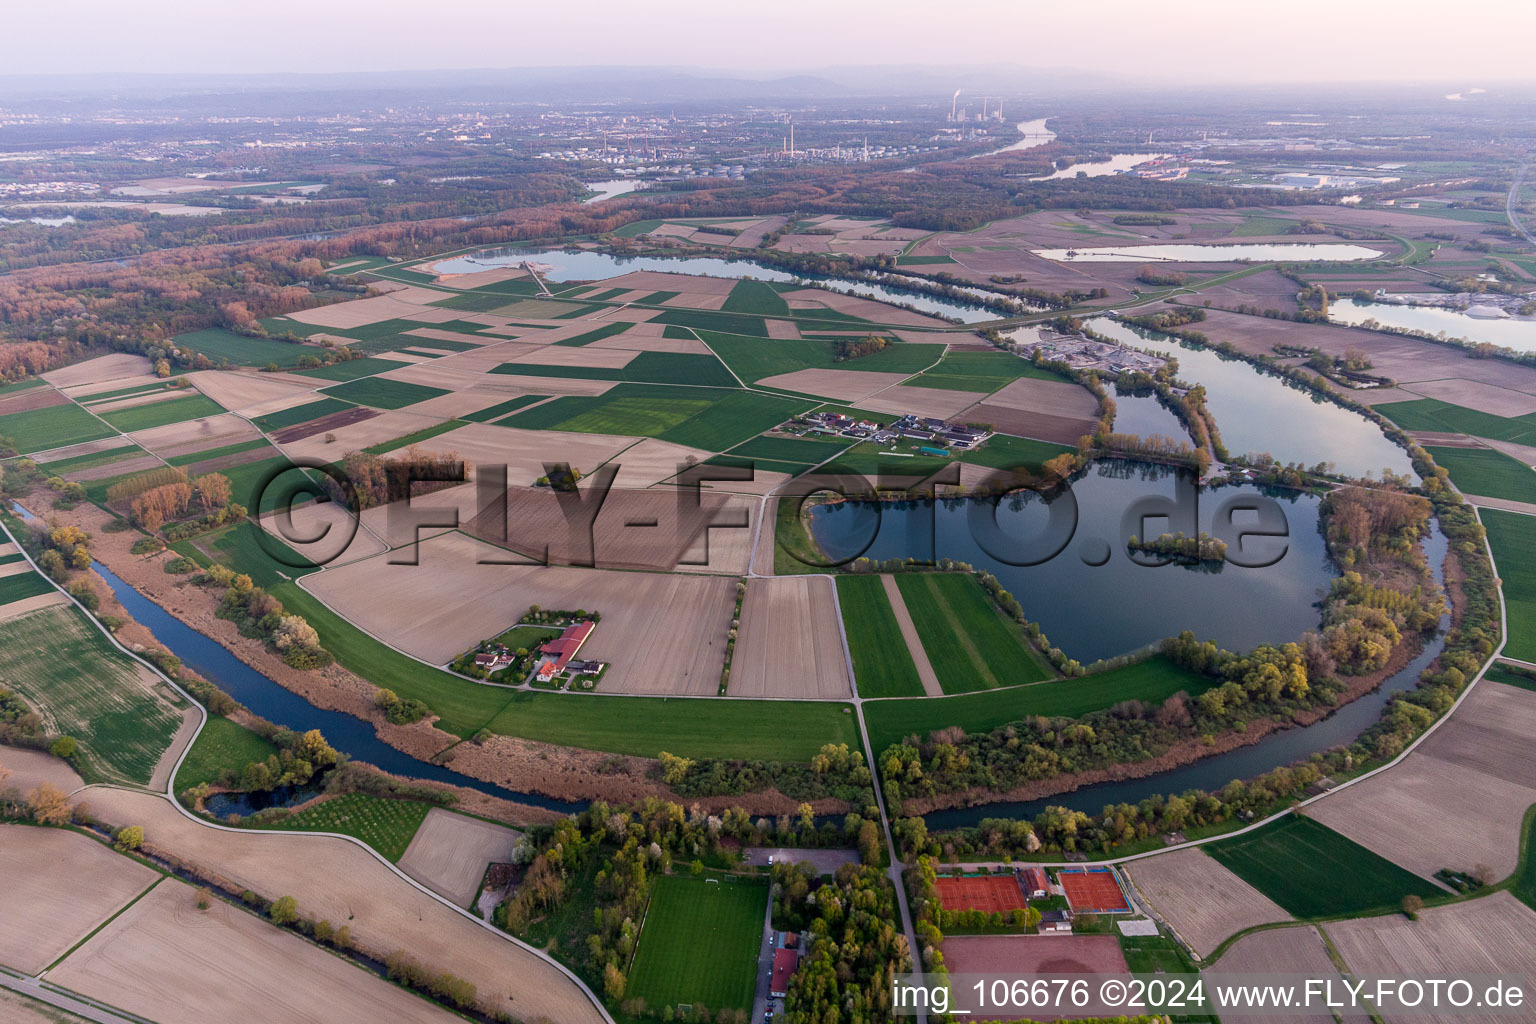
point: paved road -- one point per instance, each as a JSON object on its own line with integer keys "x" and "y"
{"x": 1509, "y": 206}
{"x": 764, "y": 967}
{"x": 90, "y": 1011}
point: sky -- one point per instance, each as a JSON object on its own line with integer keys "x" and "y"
{"x": 1189, "y": 41}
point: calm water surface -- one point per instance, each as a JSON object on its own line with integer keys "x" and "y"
{"x": 1257, "y": 412}
{"x": 1518, "y": 333}
{"x": 1094, "y": 612}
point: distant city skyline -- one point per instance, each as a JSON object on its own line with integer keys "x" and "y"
{"x": 1200, "y": 41}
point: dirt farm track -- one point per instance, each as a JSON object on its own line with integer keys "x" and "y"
{"x": 336, "y": 880}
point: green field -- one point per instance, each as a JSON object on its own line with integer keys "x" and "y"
{"x": 220, "y": 745}
{"x": 968, "y": 641}
{"x": 91, "y": 460}
{"x": 1431, "y": 414}
{"x": 624, "y": 725}
{"x": 301, "y": 414}
{"x": 384, "y": 824}
{"x": 806, "y": 450}
{"x": 1508, "y": 674}
{"x": 637, "y": 416}
{"x": 57, "y": 426}
{"x": 733, "y": 419}
{"x": 1152, "y": 681}
{"x": 414, "y": 437}
{"x": 1004, "y": 451}
{"x": 354, "y": 368}
{"x": 158, "y": 414}
{"x": 20, "y": 586}
{"x": 219, "y": 453}
{"x": 1312, "y": 871}
{"x": 1512, "y": 537}
{"x": 755, "y": 358}
{"x": 106, "y": 396}
{"x": 714, "y": 320}
{"x": 383, "y": 394}
{"x": 646, "y": 368}
{"x": 882, "y": 665}
{"x": 700, "y": 943}
{"x": 220, "y": 345}
{"x": 501, "y": 409}
{"x": 755, "y": 297}
{"x": 598, "y": 334}
{"x": 1487, "y": 473}
{"x": 980, "y": 371}
{"x": 84, "y": 687}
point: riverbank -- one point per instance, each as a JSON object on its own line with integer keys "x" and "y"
{"x": 565, "y": 774}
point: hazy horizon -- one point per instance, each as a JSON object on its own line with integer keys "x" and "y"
{"x": 1201, "y": 41}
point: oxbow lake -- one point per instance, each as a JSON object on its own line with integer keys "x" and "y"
{"x": 1518, "y": 333}
{"x": 1100, "y": 611}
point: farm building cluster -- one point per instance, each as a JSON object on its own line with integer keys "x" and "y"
{"x": 908, "y": 427}
{"x": 555, "y": 656}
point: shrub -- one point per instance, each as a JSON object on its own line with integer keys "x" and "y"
{"x": 64, "y": 747}
{"x": 130, "y": 837}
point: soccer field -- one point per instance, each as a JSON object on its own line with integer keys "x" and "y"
{"x": 700, "y": 943}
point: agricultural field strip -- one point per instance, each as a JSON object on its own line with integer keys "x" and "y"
{"x": 170, "y": 798}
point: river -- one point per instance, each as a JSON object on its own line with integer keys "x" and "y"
{"x": 576, "y": 265}
{"x": 275, "y": 703}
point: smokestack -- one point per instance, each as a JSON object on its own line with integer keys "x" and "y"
{"x": 792, "y": 137}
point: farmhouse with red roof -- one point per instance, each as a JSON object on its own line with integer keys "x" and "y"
{"x": 562, "y": 649}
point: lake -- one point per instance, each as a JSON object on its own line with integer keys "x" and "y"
{"x": 1186, "y": 252}
{"x": 578, "y": 265}
{"x": 1101, "y": 611}
{"x": 1276, "y": 749}
{"x": 1144, "y": 415}
{"x": 1258, "y": 412}
{"x": 616, "y": 187}
{"x": 1515, "y": 332}
{"x": 1035, "y": 134}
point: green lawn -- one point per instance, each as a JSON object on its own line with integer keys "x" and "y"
{"x": 354, "y": 368}
{"x": 384, "y": 824}
{"x": 882, "y": 665}
{"x": 84, "y": 687}
{"x": 700, "y": 942}
{"x": 1512, "y": 537}
{"x": 158, "y": 414}
{"x": 1485, "y": 472}
{"x": 1312, "y": 871}
{"x": 221, "y": 745}
{"x": 57, "y": 426}
{"x": 643, "y": 726}
{"x": 383, "y": 394}
{"x": 1431, "y": 414}
{"x": 971, "y": 645}
{"x": 1004, "y": 451}
{"x": 1153, "y": 681}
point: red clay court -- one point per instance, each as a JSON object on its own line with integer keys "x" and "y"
{"x": 989, "y": 893}
{"x": 1093, "y": 891}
